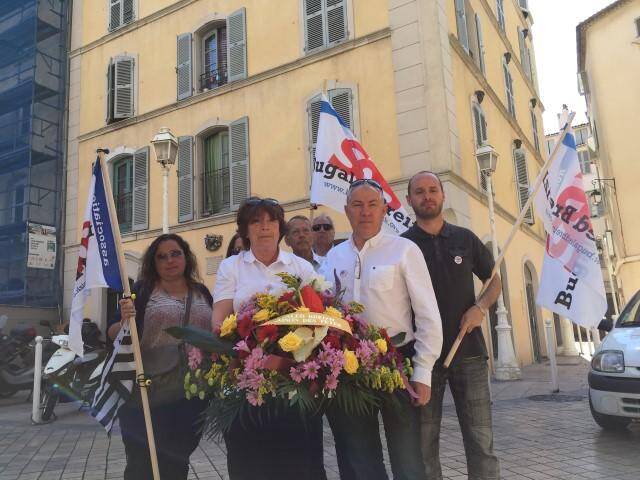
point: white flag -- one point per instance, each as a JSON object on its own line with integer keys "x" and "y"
{"x": 340, "y": 160}
{"x": 97, "y": 259}
{"x": 571, "y": 283}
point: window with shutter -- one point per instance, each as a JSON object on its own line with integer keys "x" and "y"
{"x": 508, "y": 85}
{"x": 216, "y": 182}
{"x": 237, "y": 45}
{"x": 481, "y": 64}
{"x": 184, "y": 68}
{"x": 239, "y": 161}
{"x": 461, "y": 23}
{"x": 141, "y": 189}
{"x": 585, "y": 161}
{"x": 121, "y": 13}
{"x": 122, "y": 188}
{"x": 522, "y": 183}
{"x": 121, "y": 88}
{"x": 534, "y": 126}
{"x": 479, "y": 125}
{"x": 500, "y": 14}
{"x": 524, "y": 54}
{"x": 325, "y": 23}
{"x": 185, "y": 179}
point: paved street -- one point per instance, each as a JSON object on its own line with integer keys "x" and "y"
{"x": 534, "y": 440}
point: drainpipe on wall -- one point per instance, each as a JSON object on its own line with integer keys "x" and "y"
{"x": 632, "y": 259}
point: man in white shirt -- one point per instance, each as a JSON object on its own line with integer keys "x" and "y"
{"x": 389, "y": 276}
{"x": 323, "y": 235}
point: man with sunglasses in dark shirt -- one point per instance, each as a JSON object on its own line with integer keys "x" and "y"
{"x": 454, "y": 255}
{"x": 323, "y": 234}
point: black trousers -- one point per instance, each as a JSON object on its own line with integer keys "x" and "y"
{"x": 281, "y": 449}
{"x": 176, "y": 429}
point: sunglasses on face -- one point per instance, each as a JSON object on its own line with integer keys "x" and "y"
{"x": 322, "y": 226}
{"x": 254, "y": 201}
{"x": 367, "y": 181}
{"x": 163, "y": 257}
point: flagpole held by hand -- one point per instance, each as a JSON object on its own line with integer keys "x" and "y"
{"x": 132, "y": 321}
{"x": 514, "y": 229}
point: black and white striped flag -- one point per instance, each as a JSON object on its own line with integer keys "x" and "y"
{"x": 116, "y": 384}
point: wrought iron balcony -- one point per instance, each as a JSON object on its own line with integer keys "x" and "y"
{"x": 213, "y": 79}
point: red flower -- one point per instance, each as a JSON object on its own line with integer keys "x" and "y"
{"x": 311, "y": 299}
{"x": 287, "y": 297}
{"x": 267, "y": 332}
{"x": 244, "y": 327}
{"x": 352, "y": 343}
{"x": 333, "y": 341}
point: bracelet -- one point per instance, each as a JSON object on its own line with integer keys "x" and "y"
{"x": 482, "y": 309}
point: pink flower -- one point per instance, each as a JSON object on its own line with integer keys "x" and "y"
{"x": 310, "y": 370}
{"x": 242, "y": 346}
{"x": 194, "y": 358}
{"x": 295, "y": 374}
{"x": 331, "y": 383}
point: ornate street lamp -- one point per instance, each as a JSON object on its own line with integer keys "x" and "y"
{"x": 507, "y": 365}
{"x": 165, "y": 146}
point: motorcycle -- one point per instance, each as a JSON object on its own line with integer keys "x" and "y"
{"x": 17, "y": 360}
{"x": 68, "y": 377}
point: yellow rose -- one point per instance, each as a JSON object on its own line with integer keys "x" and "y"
{"x": 261, "y": 315}
{"x": 290, "y": 342}
{"x": 333, "y": 312}
{"x": 303, "y": 310}
{"x": 350, "y": 362}
{"x": 382, "y": 345}
{"x": 228, "y": 325}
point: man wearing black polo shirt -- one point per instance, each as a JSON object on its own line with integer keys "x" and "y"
{"x": 453, "y": 255}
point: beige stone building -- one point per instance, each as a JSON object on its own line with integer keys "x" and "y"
{"x": 609, "y": 72}
{"x": 422, "y": 83}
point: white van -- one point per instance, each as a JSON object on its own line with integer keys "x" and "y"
{"x": 614, "y": 379}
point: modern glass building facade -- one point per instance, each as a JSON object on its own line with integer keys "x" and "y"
{"x": 33, "y": 66}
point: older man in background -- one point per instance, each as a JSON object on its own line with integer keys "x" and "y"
{"x": 300, "y": 240}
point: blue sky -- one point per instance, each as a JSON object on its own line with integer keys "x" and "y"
{"x": 554, "y": 41}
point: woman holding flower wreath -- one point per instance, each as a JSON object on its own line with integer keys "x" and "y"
{"x": 285, "y": 446}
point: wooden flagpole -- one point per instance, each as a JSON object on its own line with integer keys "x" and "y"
{"x": 514, "y": 229}
{"x": 132, "y": 321}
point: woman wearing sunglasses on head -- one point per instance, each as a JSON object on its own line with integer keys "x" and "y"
{"x": 282, "y": 447}
{"x": 168, "y": 293}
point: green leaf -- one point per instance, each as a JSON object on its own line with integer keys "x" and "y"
{"x": 203, "y": 339}
{"x": 398, "y": 339}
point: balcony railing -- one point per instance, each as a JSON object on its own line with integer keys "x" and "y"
{"x": 216, "y": 191}
{"x": 213, "y": 79}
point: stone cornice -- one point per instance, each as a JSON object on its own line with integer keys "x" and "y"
{"x": 253, "y": 79}
{"x": 455, "y": 44}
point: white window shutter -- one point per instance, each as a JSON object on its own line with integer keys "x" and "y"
{"x": 472, "y": 34}
{"x": 461, "y": 22}
{"x": 141, "y": 189}
{"x": 314, "y": 29}
{"x": 341, "y": 101}
{"x": 127, "y": 12}
{"x": 313, "y": 114}
{"x": 184, "y": 70}
{"x": 237, "y": 45}
{"x": 123, "y": 92}
{"x": 522, "y": 182}
{"x": 185, "y": 179}
{"x": 115, "y": 14}
{"x": 239, "y": 161}
{"x": 481, "y": 63}
{"x": 508, "y": 85}
{"x": 500, "y": 10}
{"x": 336, "y": 21}
{"x": 110, "y": 91}
{"x": 479, "y": 125}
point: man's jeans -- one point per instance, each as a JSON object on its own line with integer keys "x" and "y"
{"x": 359, "y": 449}
{"x": 468, "y": 380}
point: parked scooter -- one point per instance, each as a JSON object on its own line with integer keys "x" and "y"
{"x": 17, "y": 360}
{"x": 66, "y": 376}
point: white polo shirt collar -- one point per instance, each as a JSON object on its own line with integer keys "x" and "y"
{"x": 283, "y": 257}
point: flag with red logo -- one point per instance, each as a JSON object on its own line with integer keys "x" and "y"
{"x": 571, "y": 282}
{"x": 97, "y": 258}
{"x": 340, "y": 160}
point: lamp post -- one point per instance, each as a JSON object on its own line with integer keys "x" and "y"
{"x": 166, "y": 147}
{"x": 507, "y": 366}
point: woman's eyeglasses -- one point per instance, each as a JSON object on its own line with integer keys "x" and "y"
{"x": 163, "y": 257}
{"x": 254, "y": 201}
{"x": 322, "y": 226}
